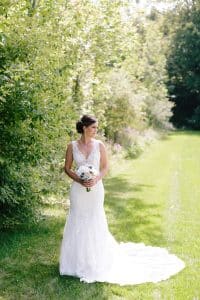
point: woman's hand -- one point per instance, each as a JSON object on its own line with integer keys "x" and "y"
{"x": 91, "y": 182}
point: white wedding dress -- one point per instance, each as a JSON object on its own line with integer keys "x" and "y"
{"x": 90, "y": 252}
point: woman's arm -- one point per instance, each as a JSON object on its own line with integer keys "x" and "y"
{"x": 103, "y": 161}
{"x": 68, "y": 164}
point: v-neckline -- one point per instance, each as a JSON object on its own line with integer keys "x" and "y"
{"x": 86, "y": 158}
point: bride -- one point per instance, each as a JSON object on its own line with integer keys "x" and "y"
{"x": 88, "y": 249}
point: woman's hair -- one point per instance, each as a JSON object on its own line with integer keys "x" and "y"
{"x": 86, "y": 120}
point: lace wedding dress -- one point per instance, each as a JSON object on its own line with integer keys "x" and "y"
{"x": 90, "y": 252}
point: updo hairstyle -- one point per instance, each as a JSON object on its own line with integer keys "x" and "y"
{"x": 86, "y": 120}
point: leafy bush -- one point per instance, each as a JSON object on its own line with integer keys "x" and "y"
{"x": 134, "y": 150}
{"x": 19, "y": 202}
{"x": 135, "y": 141}
{"x": 58, "y": 62}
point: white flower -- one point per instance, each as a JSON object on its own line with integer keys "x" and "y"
{"x": 86, "y": 172}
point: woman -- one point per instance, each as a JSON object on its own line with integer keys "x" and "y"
{"x": 88, "y": 249}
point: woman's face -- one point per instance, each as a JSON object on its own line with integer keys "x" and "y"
{"x": 91, "y": 130}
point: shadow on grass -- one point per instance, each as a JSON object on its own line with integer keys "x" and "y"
{"x": 188, "y": 132}
{"x": 133, "y": 218}
{"x": 179, "y": 133}
{"x": 29, "y": 258}
{"x": 29, "y": 265}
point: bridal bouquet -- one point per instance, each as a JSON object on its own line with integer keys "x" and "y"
{"x": 86, "y": 172}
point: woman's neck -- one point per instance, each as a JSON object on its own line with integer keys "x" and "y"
{"x": 85, "y": 139}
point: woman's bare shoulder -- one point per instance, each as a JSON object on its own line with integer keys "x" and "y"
{"x": 70, "y": 145}
{"x": 101, "y": 145}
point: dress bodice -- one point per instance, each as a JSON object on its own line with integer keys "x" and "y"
{"x": 93, "y": 157}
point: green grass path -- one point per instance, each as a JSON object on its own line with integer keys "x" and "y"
{"x": 154, "y": 199}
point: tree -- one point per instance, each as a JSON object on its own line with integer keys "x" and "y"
{"x": 60, "y": 59}
{"x": 183, "y": 65}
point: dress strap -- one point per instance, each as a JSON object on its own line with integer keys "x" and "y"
{"x": 73, "y": 146}
{"x": 97, "y": 146}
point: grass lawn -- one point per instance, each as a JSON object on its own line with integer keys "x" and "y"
{"x": 154, "y": 199}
